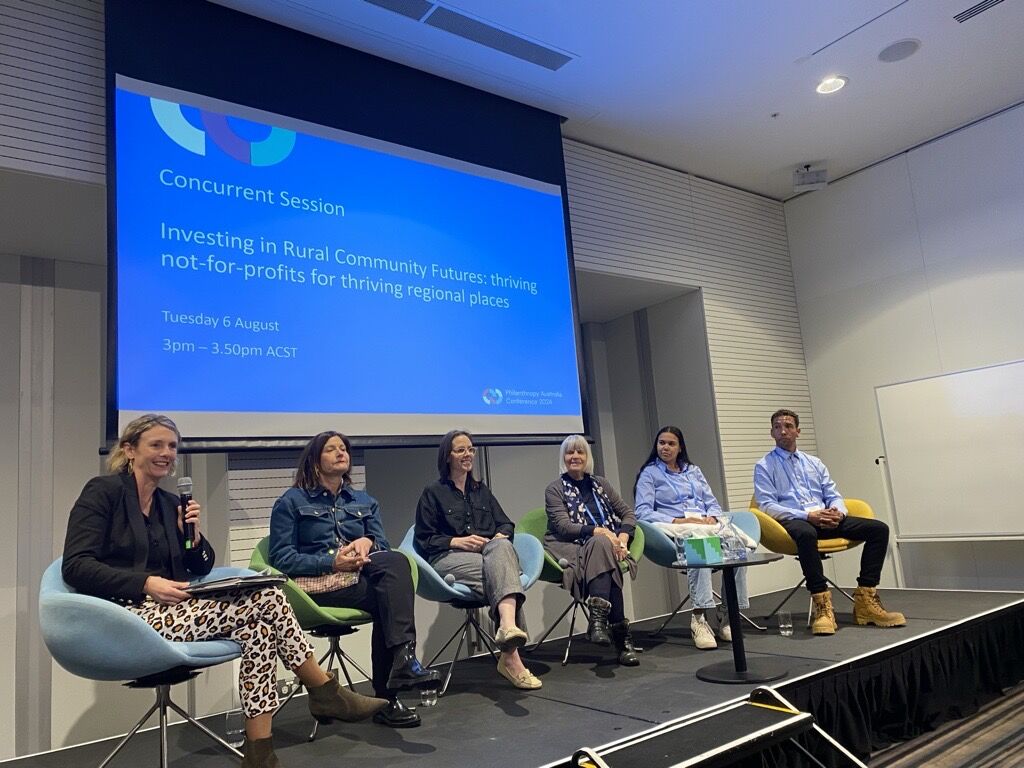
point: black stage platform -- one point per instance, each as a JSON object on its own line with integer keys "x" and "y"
{"x": 864, "y": 685}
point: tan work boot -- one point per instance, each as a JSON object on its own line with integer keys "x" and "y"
{"x": 868, "y": 609}
{"x": 823, "y": 619}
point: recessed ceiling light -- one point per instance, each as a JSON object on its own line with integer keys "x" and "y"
{"x": 831, "y": 84}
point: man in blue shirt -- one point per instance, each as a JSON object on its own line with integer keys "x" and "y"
{"x": 795, "y": 489}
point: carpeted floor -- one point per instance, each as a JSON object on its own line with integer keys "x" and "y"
{"x": 993, "y": 738}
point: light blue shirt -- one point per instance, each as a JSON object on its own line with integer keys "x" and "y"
{"x": 662, "y": 495}
{"x": 789, "y": 485}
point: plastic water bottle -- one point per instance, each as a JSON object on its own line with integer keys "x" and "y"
{"x": 732, "y": 547}
{"x": 680, "y": 550}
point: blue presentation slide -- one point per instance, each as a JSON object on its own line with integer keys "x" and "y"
{"x": 267, "y": 269}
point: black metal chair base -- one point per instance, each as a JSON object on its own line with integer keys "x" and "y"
{"x": 335, "y": 653}
{"x": 803, "y": 581}
{"x": 462, "y": 632}
{"x": 574, "y": 606}
{"x": 161, "y": 705}
{"x": 686, "y": 599}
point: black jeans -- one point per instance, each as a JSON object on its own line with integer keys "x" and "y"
{"x": 384, "y": 591}
{"x": 874, "y": 534}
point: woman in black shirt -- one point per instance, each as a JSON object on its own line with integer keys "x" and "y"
{"x": 462, "y": 530}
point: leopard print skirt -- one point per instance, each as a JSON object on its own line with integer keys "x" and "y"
{"x": 261, "y": 621}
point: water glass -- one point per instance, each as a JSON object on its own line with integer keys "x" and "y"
{"x": 785, "y": 623}
{"x": 428, "y": 697}
{"x": 234, "y": 728}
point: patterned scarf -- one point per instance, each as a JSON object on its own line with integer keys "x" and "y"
{"x": 578, "y": 511}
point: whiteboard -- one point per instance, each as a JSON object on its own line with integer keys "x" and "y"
{"x": 955, "y": 449}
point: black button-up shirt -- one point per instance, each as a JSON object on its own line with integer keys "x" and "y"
{"x": 444, "y": 512}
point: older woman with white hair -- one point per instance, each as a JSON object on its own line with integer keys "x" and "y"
{"x": 589, "y": 527}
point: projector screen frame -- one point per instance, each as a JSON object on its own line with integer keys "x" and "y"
{"x": 149, "y": 52}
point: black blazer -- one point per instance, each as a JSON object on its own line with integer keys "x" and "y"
{"x": 107, "y": 546}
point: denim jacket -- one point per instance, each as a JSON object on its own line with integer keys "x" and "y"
{"x": 307, "y": 528}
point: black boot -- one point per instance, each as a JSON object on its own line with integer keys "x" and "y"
{"x": 597, "y": 632}
{"x": 407, "y": 672}
{"x": 624, "y": 644}
{"x": 397, "y": 715}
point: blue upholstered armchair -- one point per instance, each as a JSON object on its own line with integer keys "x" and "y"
{"x": 433, "y": 587}
{"x": 100, "y": 640}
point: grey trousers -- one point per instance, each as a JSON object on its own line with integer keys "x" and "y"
{"x": 492, "y": 574}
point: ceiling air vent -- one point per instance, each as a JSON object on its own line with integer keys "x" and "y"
{"x": 974, "y": 10}
{"x": 498, "y": 39}
{"x": 468, "y": 28}
{"x": 413, "y": 9}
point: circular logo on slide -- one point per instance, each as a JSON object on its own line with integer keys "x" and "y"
{"x": 269, "y": 151}
{"x": 493, "y": 396}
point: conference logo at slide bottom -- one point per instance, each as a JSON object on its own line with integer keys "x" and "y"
{"x": 493, "y": 396}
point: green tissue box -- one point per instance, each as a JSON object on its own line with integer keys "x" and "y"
{"x": 705, "y": 551}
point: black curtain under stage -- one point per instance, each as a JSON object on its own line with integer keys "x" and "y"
{"x": 901, "y": 693}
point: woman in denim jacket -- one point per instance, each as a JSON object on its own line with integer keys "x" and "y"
{"x": 328, "y": 536}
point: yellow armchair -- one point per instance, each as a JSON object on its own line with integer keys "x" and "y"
{"x": 775, "y": 538}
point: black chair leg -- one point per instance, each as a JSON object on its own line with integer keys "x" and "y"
{"x": 462, "y": 632}
{"x": 840, "y": 589}
{"x": 451, "y": 667}
{"x": 572, "y": 627}
{"x": 744, "y": 616}
{"x": 786, "y": 598}
{"x": 671, "y": 616}
{"x": 570, "y": 607}
{"x": 803, "y": 581}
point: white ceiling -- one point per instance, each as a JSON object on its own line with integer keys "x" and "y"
{"x": 693, "y": 85}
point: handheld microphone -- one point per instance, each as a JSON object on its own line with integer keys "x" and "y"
{"x": 449, "y": 579}
{"x": 563, "y": 563}
{"x": 185, "y": 496}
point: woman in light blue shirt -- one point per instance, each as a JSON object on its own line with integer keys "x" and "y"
{"x": 669, "y": 490}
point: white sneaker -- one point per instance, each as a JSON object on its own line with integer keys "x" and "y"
{"x": 703, "y": 637}
{"x": 724, "y": 631}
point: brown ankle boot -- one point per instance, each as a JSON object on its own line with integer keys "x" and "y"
{"x": 823, "y": 618}
{"x": 259, "y": 754}
{"x": 330, "y": 701}
{"x": 868, "y": 609}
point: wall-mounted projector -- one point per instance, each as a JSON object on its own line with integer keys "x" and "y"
{"x": 807, "y": 179}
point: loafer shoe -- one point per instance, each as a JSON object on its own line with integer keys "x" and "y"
{"x": 510, "y": 639}
{"x": 525, "y": 680}
{"x": 397, "y": 715}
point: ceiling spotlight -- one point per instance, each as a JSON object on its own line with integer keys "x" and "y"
{"x": 831, "y": 84}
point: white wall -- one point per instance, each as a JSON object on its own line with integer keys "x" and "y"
{"x": 640, "y": 220}
{"x": 681, "y": 370}
{"x": 912, "y": 268}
